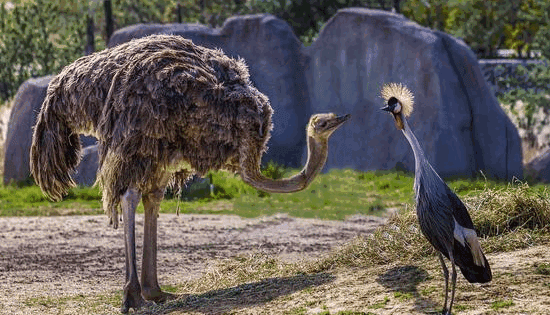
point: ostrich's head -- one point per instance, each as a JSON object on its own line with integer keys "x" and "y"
{"x": 321, "y": 126}
{"x": 399, "y": 101}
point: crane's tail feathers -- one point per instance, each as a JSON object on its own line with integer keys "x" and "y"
{"x": 55, "y": 153}
{"x": 477, "y": 274}
{"x": 474, "y": 269}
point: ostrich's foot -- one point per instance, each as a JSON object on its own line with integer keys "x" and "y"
{"x": 133, "y": 299}
{"x": 157, "y": 296}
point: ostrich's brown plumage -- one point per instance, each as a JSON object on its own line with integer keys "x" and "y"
{"x": 152, "y": 103}
{"x": 160, "y": 107}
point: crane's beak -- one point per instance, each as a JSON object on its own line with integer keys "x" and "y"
{"x": 386, "y": 108}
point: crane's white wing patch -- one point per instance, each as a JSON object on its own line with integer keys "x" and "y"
{"x": 468, "y": 238}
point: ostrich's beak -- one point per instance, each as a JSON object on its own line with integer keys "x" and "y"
{"x": 338, "y": 121}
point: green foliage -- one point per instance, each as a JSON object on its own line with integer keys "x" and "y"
{"x": 542, "y": 39}
{"x": 487, "y": 25}
{"x": 307, "y": 17}
{"x": 527, "y": 102}
{"x": 273, "y": 170}
{"x": 530, "y": 19}
{"x": 430, "y": 13}
{"x": 481, "y": 23}
{"x": 207, "y": 12}
{"x": 37, "y": 38}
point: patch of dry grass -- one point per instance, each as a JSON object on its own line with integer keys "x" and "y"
{"x": 399, "y": 240}
{"x": 506, "y": 219}
{"x": 512, "y": 218}
{"x": 241, "y": 282}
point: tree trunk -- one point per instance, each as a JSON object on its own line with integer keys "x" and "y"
{"x": 108, "y": 20}
{"x": 90, "y": 42}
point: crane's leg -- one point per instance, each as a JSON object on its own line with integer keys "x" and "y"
{"x": 453, "y": 285}
{"x": 132, "y": 290}
{"x": 446, "y": 275}
{"x": 150, "y": 286}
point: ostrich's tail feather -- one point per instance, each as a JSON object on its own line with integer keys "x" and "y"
{"x": 55, "y": 152}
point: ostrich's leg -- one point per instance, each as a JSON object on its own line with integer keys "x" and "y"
{"x": 132, "y": 290}
{"x": 150, "y": 287}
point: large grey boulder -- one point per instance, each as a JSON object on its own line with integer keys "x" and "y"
{"x": 539, "y": 168}
{"x": 86, "y": 171}
{"x": 26, "y": 106}
{"x": 23, "y": 115}
{"x": 457, "y": 120}
{"x": 273, "y": 54}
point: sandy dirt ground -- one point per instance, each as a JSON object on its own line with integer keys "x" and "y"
{"x": 71, "y": 255}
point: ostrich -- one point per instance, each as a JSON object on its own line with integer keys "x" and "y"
{"x": 442, "y": 216}
{"x": 162, "y": 110}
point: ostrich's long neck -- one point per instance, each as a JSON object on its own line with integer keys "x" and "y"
{"x": 316, "y": 158}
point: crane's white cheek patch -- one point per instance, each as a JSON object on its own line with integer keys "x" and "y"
{"x": 468, "y": 238}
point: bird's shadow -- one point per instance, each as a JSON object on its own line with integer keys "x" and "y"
{"x": 223, "y": 301}
{"x": 403, "y": 281}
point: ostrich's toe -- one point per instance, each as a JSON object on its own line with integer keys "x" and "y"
{"x": 157, "y": 296}
{"x": 133, "y": 299}
{"x": 127, "y": 304}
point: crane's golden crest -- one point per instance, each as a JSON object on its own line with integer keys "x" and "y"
{"x": 401, "y": 93}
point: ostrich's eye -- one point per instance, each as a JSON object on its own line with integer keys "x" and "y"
{"x": 322, "y": 124}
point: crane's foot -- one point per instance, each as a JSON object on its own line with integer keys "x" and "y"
{"x": 157, "y": 295}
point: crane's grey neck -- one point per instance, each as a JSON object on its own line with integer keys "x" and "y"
{"x": 424, "y": 172}
{"x": 316, "y": 158}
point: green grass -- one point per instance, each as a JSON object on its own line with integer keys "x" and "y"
{"x": 543, "y": 269}
{"x": 381, "y": 304}
{"x": 332, "y": 195}
{"x": 29, "y": 200}
{"x": 97, "y": 304}
{"x": 496, "y": 305}
{"x": 402, "y": 296}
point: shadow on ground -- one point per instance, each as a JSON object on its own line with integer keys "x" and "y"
{"x": 245, "y": 295}
{"x": 403, "y": 280}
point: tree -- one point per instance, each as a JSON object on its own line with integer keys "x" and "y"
{"x": 38, "y": 38}
{"x": 522, "y": 28}
{"x": 430, "y": 13}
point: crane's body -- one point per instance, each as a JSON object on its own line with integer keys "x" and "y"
{"x": 442, "y": 216}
